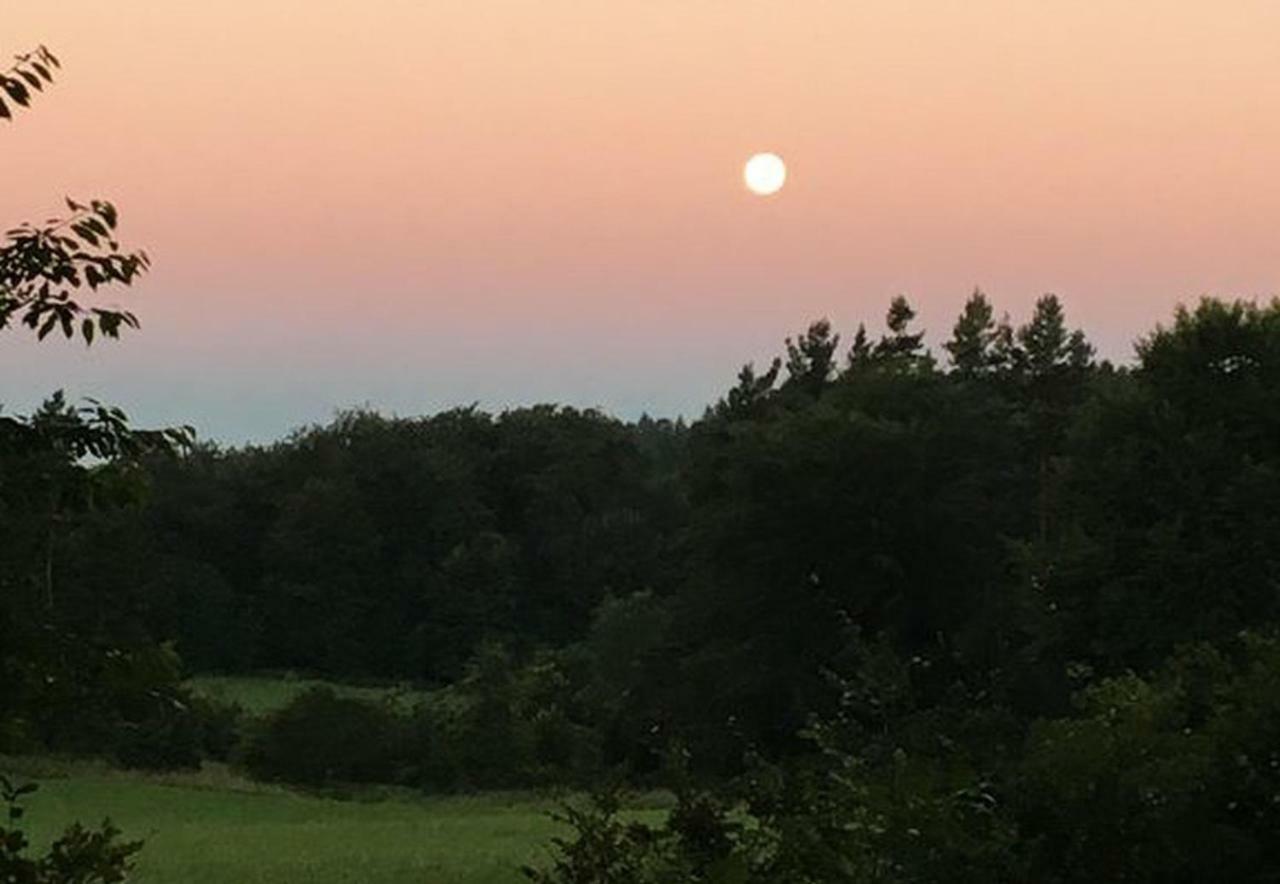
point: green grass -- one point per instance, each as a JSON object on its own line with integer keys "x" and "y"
{"x": 213, "y": 828}
{"x": 258, "y": 695}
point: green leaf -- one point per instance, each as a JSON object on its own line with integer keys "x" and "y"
{"x": 108, "y": 213}
{"x": 16, "y": 90}
{"x": 85, "y": 233}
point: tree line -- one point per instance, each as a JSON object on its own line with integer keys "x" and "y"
{"x": 1015, "y": 509}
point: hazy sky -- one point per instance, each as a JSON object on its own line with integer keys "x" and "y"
{"x": 420, "y": 204}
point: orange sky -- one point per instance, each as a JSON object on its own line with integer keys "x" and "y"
{"x": 418, "y": 204}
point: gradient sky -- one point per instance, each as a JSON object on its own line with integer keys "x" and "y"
{"x": 413, "y": 204}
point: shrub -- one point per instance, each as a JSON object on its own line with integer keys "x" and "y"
{"x": 514, "y": 724}
{"x": 169, "y": 739}
{"x": 1170, "y": 777}
{"x": 220, "y": 726}
{"x": 432, "y": 749}
{"x": 698, "y": 842}
{"x": 79, "y": 856}
{"x": 176, "y": 731}
{"x": 322, "y": 738}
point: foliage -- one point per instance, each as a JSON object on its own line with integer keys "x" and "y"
{"x": 79, "y": 856}
{"x": 979, "y": 345}
{"x": 394, "y": 549}
{"x": 506, "y": 724}
{"x": 25, "y": 77}
{"x": 1172, "y": 487}
{"x": 42, "y": 267}
{"x": 75, "y": 695}
{"x": 321, "y": 738}
{"x": 1173, "y": 777}
{"x": 695, "y": 844}
{"x": 1128, "y": 519}
{"x": 512, "y": 724}
{"x": 62, "y": 682}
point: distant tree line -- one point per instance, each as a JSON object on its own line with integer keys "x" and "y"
{"x": 391, "y": 548}
{"x": 1013, "y": 509}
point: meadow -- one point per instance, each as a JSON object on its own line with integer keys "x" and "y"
{"x": 217, "y": 827}
{"x": 260, "y": 694}
{"x": 213, "y": 827}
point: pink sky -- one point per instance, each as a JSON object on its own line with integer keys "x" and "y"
{"x": 420, "y": 204}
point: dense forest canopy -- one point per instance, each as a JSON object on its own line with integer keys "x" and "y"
{"x": 1013, "y": 507}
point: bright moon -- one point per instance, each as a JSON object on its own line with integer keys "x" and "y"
{"x": 765, "y": 173}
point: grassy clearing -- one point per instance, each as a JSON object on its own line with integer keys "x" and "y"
{"x": 214, "y": 828}
{"x": 258, "y": 695}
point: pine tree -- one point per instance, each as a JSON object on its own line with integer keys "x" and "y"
{"x": 1045, "y": 346}
{"x": 750, "y": 392}
{"x": 975, "y": 345}
{"x": 811, "y": 357}
{"x": 900, "y": 346}
{"x": 1050, "y": 359}
{"x": 860, "y": 352}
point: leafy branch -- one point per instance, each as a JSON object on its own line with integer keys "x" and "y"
{"x": 42, "y": 267}
{"x": 92, "y": 430}
{"x": 80, "y": 856}
{"x": 28, "y": 74}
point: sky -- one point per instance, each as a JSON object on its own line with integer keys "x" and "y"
{"x": 411, "y": 205}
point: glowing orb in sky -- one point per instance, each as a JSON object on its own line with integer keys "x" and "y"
{"x": 765, "y": 173}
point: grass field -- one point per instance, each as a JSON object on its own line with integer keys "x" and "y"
{"x": 266, "y": 693}
{"x": 213, "y": 828}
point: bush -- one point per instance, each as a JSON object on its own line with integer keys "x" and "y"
{"x": 322, "y": 738}
{"x": 432, "y": 749}
{"x": 178, "y": 729}
{"x": 1170, "y": 777}
{"x": 127, "y": 703}
{"x": 698, "y": 842}
{"x": 80, "y": 856}
{"x": 220, "y": 726}
{"x": 514, "y": 725}
{"x": 170, "y": 739}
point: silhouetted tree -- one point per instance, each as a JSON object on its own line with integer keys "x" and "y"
{"x": 979, "y": 344}
{"x": 811, "y": 358}
{"x": 900, "y": 345}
